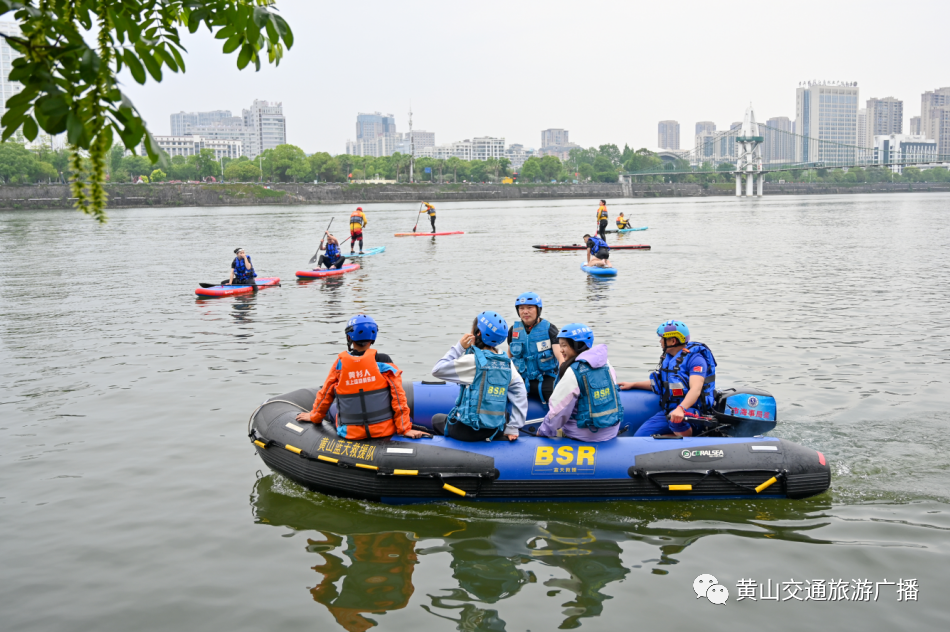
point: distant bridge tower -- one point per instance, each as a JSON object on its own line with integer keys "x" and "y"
{"x": 749, "y": 154}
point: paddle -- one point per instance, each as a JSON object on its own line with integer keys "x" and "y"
{"x": 417, "y": 217}
{"x": 320, "y": 247}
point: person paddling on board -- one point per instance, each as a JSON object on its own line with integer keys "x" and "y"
{"x": 602, "y": 218}
{"x": 242, "y": 270}
{"x": 490, "y": 382}
{"x": 685, "y": 380}
{"x": 532, "y": 344}
{"x": 598, "y": 252}
{"x": 585, "y": 405}
{"x": 333, "y": 257}
{"x": 622, "y": 222}
{"x": 367, "y": 388}
{"x": 430, "y": 210}
{"x": 357, "y": 222}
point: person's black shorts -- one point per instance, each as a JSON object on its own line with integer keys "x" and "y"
{"x": 249, "y": 281}
{"x": 602, "y": 254}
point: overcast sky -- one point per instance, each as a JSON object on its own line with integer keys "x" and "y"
{"x": 606, "y": 71}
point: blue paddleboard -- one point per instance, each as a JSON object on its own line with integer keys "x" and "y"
{"x": 630, "y": 230}
{"x": 599, "y": 272}
{"x": 372, "y": 251}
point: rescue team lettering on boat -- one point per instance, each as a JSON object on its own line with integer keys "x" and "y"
{"x": 564, "y": 459}
{"x": 341, "y": 447}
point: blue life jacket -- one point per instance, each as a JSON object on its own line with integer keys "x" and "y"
{"x": 531, "y": 352}
{"x": 671, "y": 382}
{"x": 483, "y": 403}
{"x": 598, "y": 405}
{"x": 597, "y": 244}
{"x": 240, "y": 271}
{"x": 333, "y": 252}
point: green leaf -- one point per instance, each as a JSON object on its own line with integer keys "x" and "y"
{"x": 135, "y": 67}
{"x": 74, "y": 129}
{"x": 154, "y": 68}
{"x": 244, "y": 56}
{"x": 30, "y": 129}
{"x": 231, "y": 45}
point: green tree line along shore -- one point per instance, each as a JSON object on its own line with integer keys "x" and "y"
{"x": 288, "y": 163}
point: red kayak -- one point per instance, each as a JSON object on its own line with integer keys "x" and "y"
{"x": 231, "y": 290}
{"x": 317, "y": 274}
{"x": 583, "y": 247}
{"x": 455, "y": 232}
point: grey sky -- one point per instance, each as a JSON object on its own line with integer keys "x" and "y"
{"x": 606, "y": 71}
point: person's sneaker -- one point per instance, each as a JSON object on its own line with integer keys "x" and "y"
{"x": 361, "y": 252}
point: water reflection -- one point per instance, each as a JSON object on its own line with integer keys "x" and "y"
{"x": 369, "y": 551}
{"x": 377, "y": 579}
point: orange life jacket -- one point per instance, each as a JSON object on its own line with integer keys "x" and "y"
{"x": 602, "y": 213}
{"x": 357, "y": 220}
{"x": 363, "y": 398}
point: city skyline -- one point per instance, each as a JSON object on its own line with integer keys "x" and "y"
{"x": 323, "y": 99}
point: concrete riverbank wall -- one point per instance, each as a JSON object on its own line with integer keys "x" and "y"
{"x": 170, "y": 195}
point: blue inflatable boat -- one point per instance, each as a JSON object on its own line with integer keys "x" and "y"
{"x": 731, "y": 459}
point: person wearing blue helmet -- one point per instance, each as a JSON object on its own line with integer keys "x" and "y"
{"x": 585, "y": 405}
{"x": 685, "y": 380}
{"x": 493, "y": 398}
{"x": 532, "y": 344}
{"x": 367, "y": 388}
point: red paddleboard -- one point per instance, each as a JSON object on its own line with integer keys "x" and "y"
{"x": 455, "y": 232}
{"x": 231, "y": 290}
{"x": 317, "y": 274}
{"x": 583, "y": 247}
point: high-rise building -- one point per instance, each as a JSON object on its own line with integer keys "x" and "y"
{"x": 376, "y": 135}
{"x": 705, "y": 126}
{"x": 940, "y": 124}
{"x": 913, "y": 126}
{"x": 884, "y": 117}
{"x": 669, "y": 135}
{"x": 372, "y": 126}
{"x": 7, "y": 55}
{"x": 929, "y": 101}
{"x": 779, "y": 145}
{"x": 861, "y": 133}
{"x": 183, "y": 122}
{"x": 826, "y": 112}
{"x": 554, "y": 137}
{"x": 265, "y": 127}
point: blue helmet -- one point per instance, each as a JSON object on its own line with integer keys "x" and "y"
{"x": 529, "y": 298}
{"x": 579, "y": 332}
{"x": 361, "y": 328}
{"x": 493, "y": 328}
{"x": 674, "y": 329}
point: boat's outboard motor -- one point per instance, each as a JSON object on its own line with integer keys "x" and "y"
{"x": 750, "y": 411}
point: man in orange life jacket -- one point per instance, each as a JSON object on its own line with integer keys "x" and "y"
{"x": 602, "y": 218}
{"x": 367, "y": 387}
{"x": 357, "y": 222}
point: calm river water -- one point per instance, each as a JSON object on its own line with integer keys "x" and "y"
{"x": 130, "y": 497}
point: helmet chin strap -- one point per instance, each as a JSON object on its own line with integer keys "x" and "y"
{"x": 674, "y": 341}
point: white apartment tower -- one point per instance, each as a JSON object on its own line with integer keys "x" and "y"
{"x": 884, "y": 117}
{"x": 928, "y": 101}
{"x": 668, "y": 133}
{"x": 779, "y": 145}
{"x": 265, "y": 127}
{"x": 828, "y": 112}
